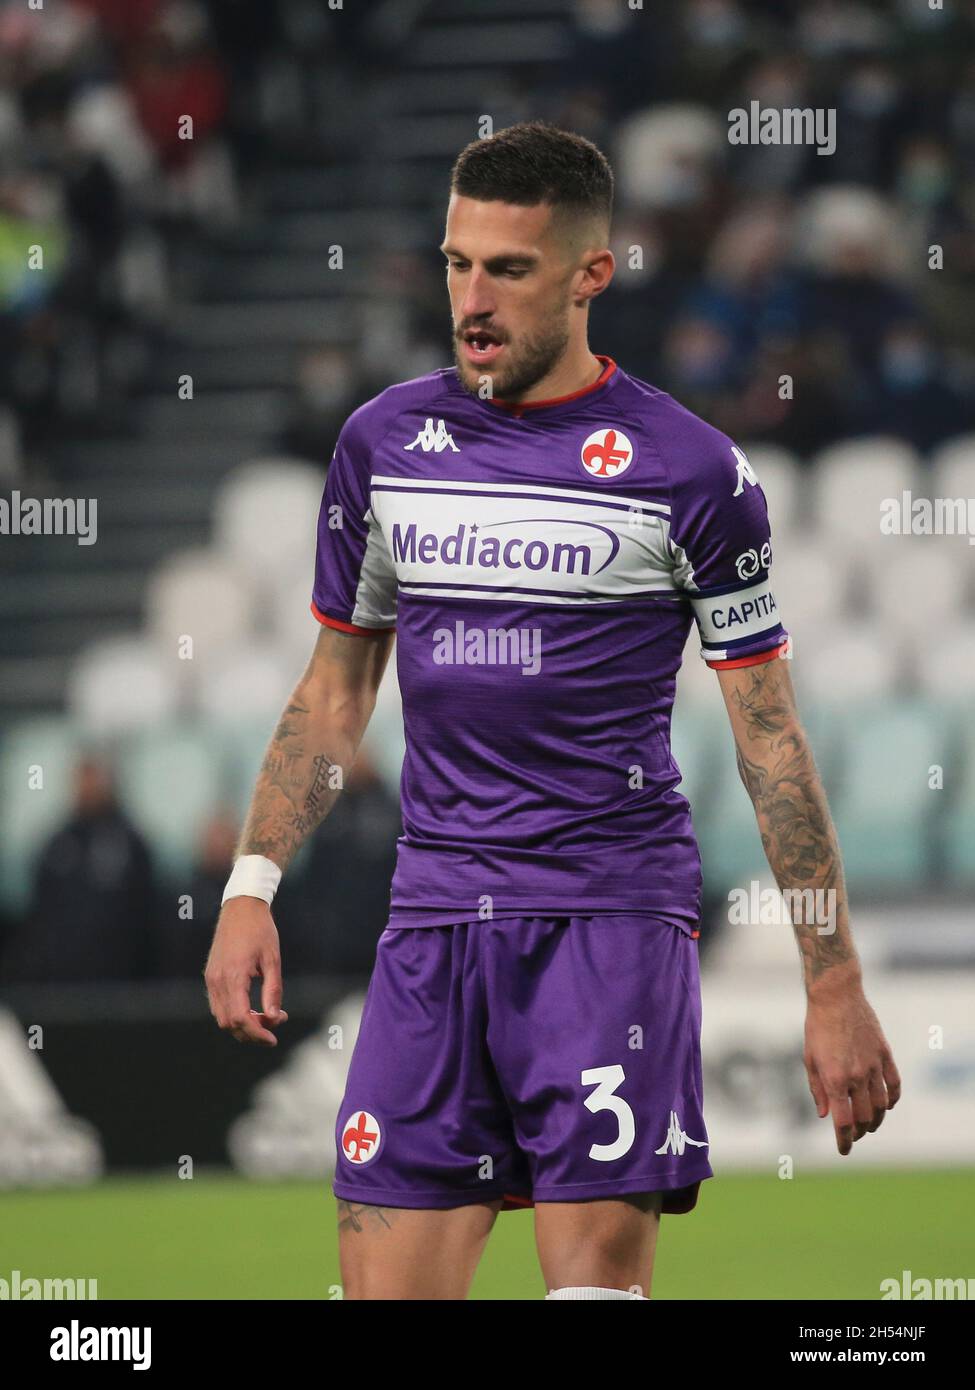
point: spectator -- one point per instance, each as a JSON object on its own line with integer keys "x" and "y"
{"x": 92, "y": 912}
{"x": 343, "y": 901}
{"x": 187, "y": 919}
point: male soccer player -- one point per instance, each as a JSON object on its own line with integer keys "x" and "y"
{"x": 539, "y": 528}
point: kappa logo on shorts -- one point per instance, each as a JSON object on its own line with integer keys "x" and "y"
{"x": 677, "y": 1140}
{"x": 362, "y": 1137}
{"x": 606, "y": 453}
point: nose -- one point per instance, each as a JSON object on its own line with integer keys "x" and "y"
{"x": 478, "y": 299}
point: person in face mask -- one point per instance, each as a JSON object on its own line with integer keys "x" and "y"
{"x": 919, "y": 397}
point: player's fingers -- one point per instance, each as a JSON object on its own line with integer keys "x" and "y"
{"x": 818, "y": 1090}
{"x": 248, "y": 1028}
{"x": 892, "y": 1077}
{"x": 218, "y": 998}
{"x": 227, "y": 991}
{"x": 272, "y": 986}
{"x": 232, "y": 997}
{"x": 877, "y": 1092}
{"x": 269, "y": 1021}
{"x": 863, "y": 1112}
{"x": 842, "y": 1112}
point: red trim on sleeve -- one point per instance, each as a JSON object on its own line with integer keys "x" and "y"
{"x": 748, "y": 660}
{"x": 347, "y": 627}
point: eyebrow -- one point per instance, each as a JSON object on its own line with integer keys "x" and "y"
{"x": 495, "y": 262}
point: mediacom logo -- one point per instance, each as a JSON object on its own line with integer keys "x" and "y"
{"x": 471, "y": 546}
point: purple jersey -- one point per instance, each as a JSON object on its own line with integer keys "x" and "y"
{"x": 541, "y": 564}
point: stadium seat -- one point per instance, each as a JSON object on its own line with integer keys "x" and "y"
{"x": 120, "y": 684}
{"x": 169, "y": 784}
{"x": 197, "y": 595}
{"x": 252, "y": 681}
{"x": 697, "y": 684}
{"x": 731, "y": 845}
{"x": 266, "y": 518}
{"x": 811, "y": 584}
{"x": 695, "y": 733}
{"x": 914, "y": 584}
{"x": 384, "y": 738}
{"x": 945, "y": 663}
{"x": 45, "y": 751}
{"x": 860, "y": 660}
{"x": 102, "y": 120}
{"x": 724, "y": 816}
{"x": 654, "y": 146}
{"x": 852, "y": 479}
{"x": 292, "y": 621}
{"x": 834, "y": 221}
{"x": 886, "y": 812}
{"x": 238, "y": 750}
{"x": 780, "y": 478}
{"x": 11, "y": 460}
{"x": 958, "y": 825}
{"x": 952, "y": 469}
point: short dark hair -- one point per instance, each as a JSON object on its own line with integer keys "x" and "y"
{"x": 536, "y": 162}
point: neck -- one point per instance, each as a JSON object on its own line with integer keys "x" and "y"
{"x": 574, "y": 372}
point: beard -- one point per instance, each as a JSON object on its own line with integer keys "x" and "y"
{"x": 525, "y": 365}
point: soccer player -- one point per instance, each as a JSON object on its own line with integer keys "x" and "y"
{"x": 539, "y": 529}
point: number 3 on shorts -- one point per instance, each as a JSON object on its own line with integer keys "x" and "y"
{"x": 606, "y": 1080}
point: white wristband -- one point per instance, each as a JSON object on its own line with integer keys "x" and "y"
{"x": 252, "y": 876}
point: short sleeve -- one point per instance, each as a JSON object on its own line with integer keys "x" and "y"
{"x": 355, "y": 582}
{"x": 722, "y": 548}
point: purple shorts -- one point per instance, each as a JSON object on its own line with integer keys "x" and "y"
{"x": 551, "y": 1059}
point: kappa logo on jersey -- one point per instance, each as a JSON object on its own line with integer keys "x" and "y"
{"x": 433, "y": 440}
{"x": 746, "y": 473}
{"x": 677, "y": 1140}
{"x": 607, "y": 453}
{"x": 361, "y": 1137}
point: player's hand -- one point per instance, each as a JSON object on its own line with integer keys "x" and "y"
{"x": 245, "y": 944}
{"x": 851, "y": 1069}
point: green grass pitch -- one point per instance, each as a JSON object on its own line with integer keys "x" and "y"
{"x": 822, "y": 1235}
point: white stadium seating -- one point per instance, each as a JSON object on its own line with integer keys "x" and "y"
{"x": 122, "y": 684}
{"x": 197, "y": 595}
{"x": 852, "y": 480}
{"x": 266, "y": 520}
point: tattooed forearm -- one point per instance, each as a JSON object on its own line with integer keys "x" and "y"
{"x": 356, "y": 1216}
{"x": 295, "y": 790}
{"x": 314, "y": 743}
{"x": 779, "y": 773}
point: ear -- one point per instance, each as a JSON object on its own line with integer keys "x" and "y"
{"x": 597, "y": 271}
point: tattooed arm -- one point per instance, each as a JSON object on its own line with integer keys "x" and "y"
{"x": 315, "y": 743}
{"x": 851, "y": 1069}
{"x": 310, "y": 753}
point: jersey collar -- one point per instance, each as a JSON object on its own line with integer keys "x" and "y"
{"x": 605, "y": 381}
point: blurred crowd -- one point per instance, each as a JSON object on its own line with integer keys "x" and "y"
{"x": 101, "y": 910}
{"x": 766, "y": 262}
{"x": 756, "y": 263}
{"x": 786, "y": 296}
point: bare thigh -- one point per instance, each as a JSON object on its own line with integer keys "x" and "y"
{"x": 605, "y": 1244}
{"x": 404, "y": 1253}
